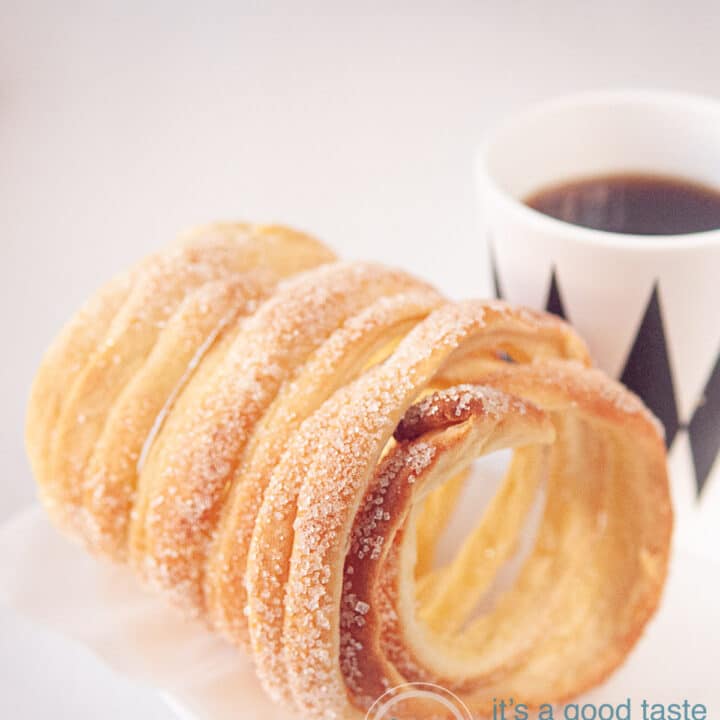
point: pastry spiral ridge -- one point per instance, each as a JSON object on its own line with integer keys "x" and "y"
{"x": 278, "y": 440}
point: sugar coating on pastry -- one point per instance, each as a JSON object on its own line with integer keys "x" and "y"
{"x": 277, "y": 441}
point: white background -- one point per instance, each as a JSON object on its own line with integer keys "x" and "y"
{"x": 122, "y": 123}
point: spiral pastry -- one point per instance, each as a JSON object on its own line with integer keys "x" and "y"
{"x": 277, "y": 441}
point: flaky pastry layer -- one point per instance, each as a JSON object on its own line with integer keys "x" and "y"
{"x": 278, "y": 441}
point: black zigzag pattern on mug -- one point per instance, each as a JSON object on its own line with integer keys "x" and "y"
{"x": 704, "y": 429}
{"x": 648, "y": 373}
{"x": 554, "y": 302}
{"x": 647, "y": 369}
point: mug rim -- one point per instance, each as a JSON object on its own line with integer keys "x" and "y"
{"x": 702, "y": 103}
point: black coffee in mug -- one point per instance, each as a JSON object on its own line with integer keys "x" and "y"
{"x": 632, "y": 203}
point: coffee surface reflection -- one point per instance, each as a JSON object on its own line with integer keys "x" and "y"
{"x": 632, "y": 203}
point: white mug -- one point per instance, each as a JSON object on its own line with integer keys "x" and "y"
{"x": 649, "y": 306}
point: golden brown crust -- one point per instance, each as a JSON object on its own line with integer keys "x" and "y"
{"x": 575, "y": 605}
{"x": 60, "y": 367}
{"x": 294, "y": 568}
{"x": 439, "y": 412}
{"x": 364, "y": 339}
{"x": 281, "y": 456}
{"x": 111, "y": 475}
{"x": 189, "y": 479}
{"x": 110, "y": 341}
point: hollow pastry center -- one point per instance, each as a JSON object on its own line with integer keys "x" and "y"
{"x": 425, "y": 622}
